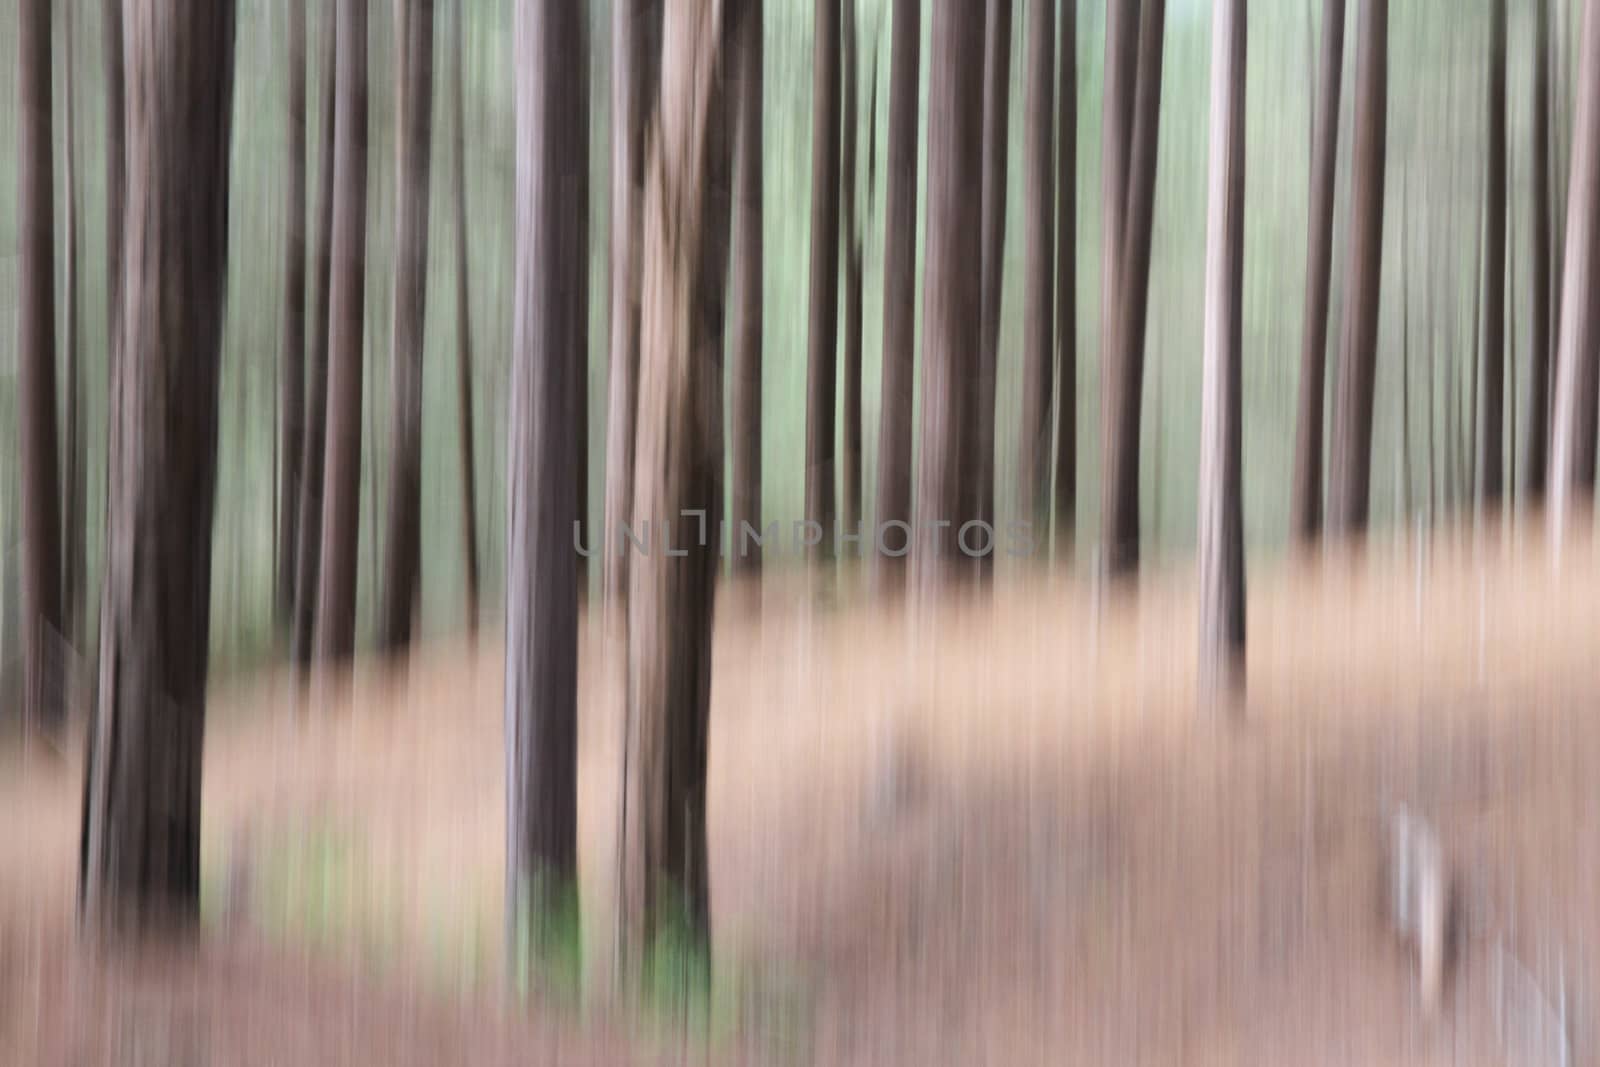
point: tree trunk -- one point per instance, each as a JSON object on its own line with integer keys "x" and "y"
{"x": 849, "y": 184}
{"x": 899, "y": 290}
{"x": 291, "y": 388}
{"x": 541, "y": 687}
{"x": 141, "y": 830}
{"x": 662, "y": 859}
{"x": 1125, "y": 369}
{"x": 1221, "y": 525}
{"x": 996, "y": 107}
{"x": 341, "y": 516}
{"x": 73, "y": 517}
{"x": 1572, "y": 458}
{"x": 1350, "y": 476}
{"x": 36, "y": 374}
{"x": 823, "y": 325}
{"x": 1305, "y": 504}
{"x": 1491, "y": 441}
{"x": 308, "y": 545}
{"x": 116, "y": 166}
{"x": 413, "y": 151}
{"x": 635, "y": 46}
{"x": 747, "y": 281}
{"x": 1066, "y": 336}
{"x": 1033, "y": 444}
{"x": 952, "y": 295}
{"x": 469, "y": 497}
{"x": 1116, "y": 138}
{"x": 1536, "y": 453}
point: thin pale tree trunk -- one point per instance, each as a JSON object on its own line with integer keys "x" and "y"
{"x": 140, "y": 854}
{"x": 850, "y": 237}
{"x": 469, "y": 495}
{"x": 1038, "y": 322}
{"x": 1066, "y": 326}
{"x": 822, "y": 334}
{"x": 291, "y": 369}
{"x": 73, "y": 576}
{"x": 747, "y": 277}
{"x": 996, "y": 113}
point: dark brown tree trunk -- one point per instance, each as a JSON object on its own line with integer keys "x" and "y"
{"x": 36, "y": 374}
{"x": 1491, "y": 440}
{"x": 849, "y": 183}
{"x": 1349, "y": 478}
{"x": 1038, "y": 323}
{"x": 1572, "y": 458}
{"x": 73, "y": 492}
{"x": 291, "y": 370}
{"x": 1221, "y": 526}
{"x": 414, "y": 146}
{"x": 341, "y": 477}
{"x": 747, "y": 281}
{"x": 1116, "y": 138}
{"x": 899, "y": 290}
{"x": 541, "y": 687}
{"x": 1125, "y": 369}
{"x": 822, "y": 334}
{"x": 1536, "y": 453}
{"x": 635, "y": 44}
{"x": 1305, "y": 504}
{"x": 952, "y": 295}
{"x": 663, "y": 868}
{"x": 996, "y": 108}
{"x": 308, "y": 518}
{"x": 141, "y": 830}
{"x": 469, "y": 496}
{"x": 1066, "y": 336}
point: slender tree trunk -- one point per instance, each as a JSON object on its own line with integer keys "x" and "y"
{"x": 850, "y": 235}
{"x": 1038, "y": 323}
{"x": 36, "y": 373}
{"x": 73, "y": 492}
{"x": 1536, "y": 453}
{"x": 116, "y": 165}
{"x": 996, "y": 108}
{"x": 823, "y": 325}
{"x": 1572, "y": 459}
{"x": 635, "y": 48}
{"x": 1470, "y": 424}
{"x": 469, "y": 496}
{"x": 141, "y": 830}
{"x": 1350, "y": 477}
{"x": 1491, "y": 441}
{"x": 1125, "y": 370}
{"x": 747, "y": 279}
{"x": 341, "y": 516}
{"x": 899, "y": 289}
{"x": 413, "y": 152}
{"x": 663, "y": 873}
{"x": 308, "y": 544}
{"x": 1405, "y": 357}
{"x": 1066, "y": 335}
{"x": 1511, "y": 356}
{"x": 541, "y": 686}
{"x": 291, "y": 387}
{"x": 1306, "y": 497}
{"x": 1116, "y": 140}
{"x": 952, "y": 293}
{"x": 1221, "y": 526}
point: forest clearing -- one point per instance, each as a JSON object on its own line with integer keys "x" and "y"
{"x": 993, "y": 832}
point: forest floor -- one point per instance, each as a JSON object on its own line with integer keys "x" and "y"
{"x": 998, "y": 832}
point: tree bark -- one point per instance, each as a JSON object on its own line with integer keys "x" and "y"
{"x": 822, "y": 334}
{"x": 850, "y": 234}
{"x": 1572, "y": 459}
{"x": 1350, "y": 476}
{"x": 1038, "y": 322}
{"x": 36, "y": 373}
{"x": 635, "y": 47}
{"x": 1491, "y": 439}
{"x": 308, "y": 533}
{"x": 952, "y": 295}
{"x": 73, "y": 493}
{"x": 1305, "y": 505}
{"x": 541, "y": 683}
{"x": 663, "y": 869}
{"x": 1116, "y": 139}
{"x": 141, "y": 829}
{"x": 1066, "y": 335}
{"x": 291, "y": 370}
{"x": 413, "y": 151}
{"x": 996, "y": 108}
{"x": 899, "y": 287}
{"x": 747, "y": 281}
{"x": 116, "y": 165}
{"x": 1221, "y": 526}
{"x": 1125, "y": 369}
{"x": 1536, "y": 453}
{"x": 469, "y": 496}
{"x": 341, "y": 516}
